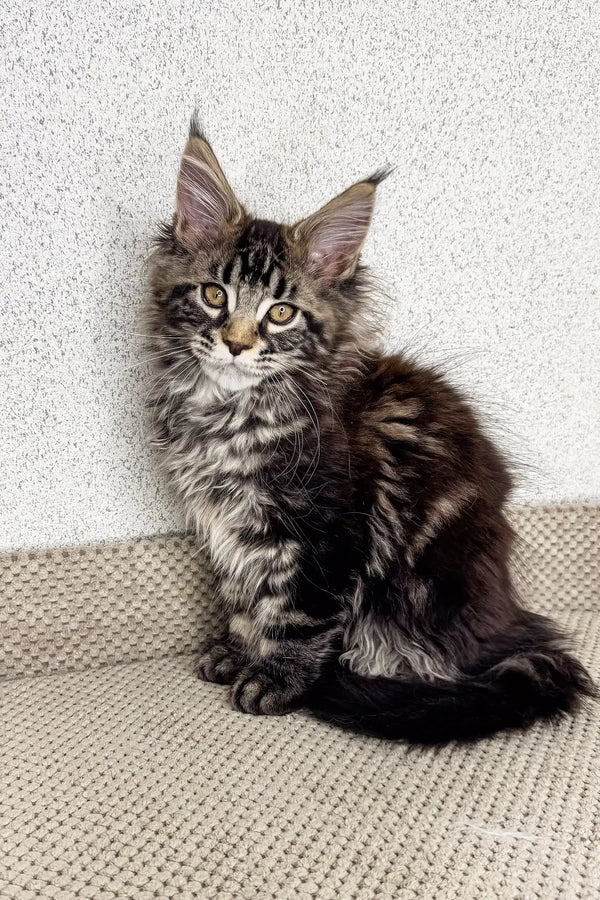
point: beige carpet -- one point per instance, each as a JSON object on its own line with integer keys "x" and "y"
{"x": 131, "y": 779}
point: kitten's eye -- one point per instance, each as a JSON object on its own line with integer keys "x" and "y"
{"x": 282, "y": 313}
{"x": 214, "y": 295}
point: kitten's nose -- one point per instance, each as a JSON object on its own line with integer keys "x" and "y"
{"x": 239, "y": 333}
{"x": 235, "y": 348}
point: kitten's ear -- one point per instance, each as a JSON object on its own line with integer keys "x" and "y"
{"x": 331, "y": 239}
{"x": 206, "y": 207}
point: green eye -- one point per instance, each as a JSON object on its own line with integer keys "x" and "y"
{"x": 214, "y": 295}
{"x": 282, "y": 313}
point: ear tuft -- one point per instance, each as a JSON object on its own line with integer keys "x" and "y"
{"x": 196, "y": 129}
{"x": 380, "y": 175}
{"x": 332, "y": 238}
{"x": 206, "y": 206}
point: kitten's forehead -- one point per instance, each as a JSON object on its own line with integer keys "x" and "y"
{"x": 258, "y": 258}
{"x": 261, "y": 245}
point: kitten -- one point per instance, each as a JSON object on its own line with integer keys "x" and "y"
{"x": 350, "y": 503}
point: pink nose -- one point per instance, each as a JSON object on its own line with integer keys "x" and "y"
{"x": 235, "y": 348}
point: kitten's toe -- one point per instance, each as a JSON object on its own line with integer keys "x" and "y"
{"x": 257, "y": 693}
{"x": 219, "y": 664}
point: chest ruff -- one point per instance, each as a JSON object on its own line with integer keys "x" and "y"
{"x": 218, "y": 460}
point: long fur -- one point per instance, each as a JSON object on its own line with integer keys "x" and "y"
{"x": 350, "y": 502}
{"x": 534, "y": 679}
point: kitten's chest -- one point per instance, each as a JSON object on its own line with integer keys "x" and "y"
{"x": 222, "y": 470}
{"x": 218, "y": 463}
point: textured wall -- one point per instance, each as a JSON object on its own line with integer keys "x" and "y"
{"x": 487, "y": 236}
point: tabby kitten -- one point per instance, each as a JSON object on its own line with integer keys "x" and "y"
{"x": 351, "y": 506}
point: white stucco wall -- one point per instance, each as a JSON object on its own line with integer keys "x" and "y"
{"x": 487, "y": 235}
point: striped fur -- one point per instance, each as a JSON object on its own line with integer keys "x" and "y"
{"x": 351, "y": 505}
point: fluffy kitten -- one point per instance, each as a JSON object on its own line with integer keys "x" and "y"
{"x": 351, "y": 506}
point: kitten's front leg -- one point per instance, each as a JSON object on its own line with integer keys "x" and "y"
{"x": 220, "y": 661}
{"x": 284, "y": 661}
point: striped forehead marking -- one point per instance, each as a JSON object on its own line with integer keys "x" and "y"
{"x": 258, "y": 259}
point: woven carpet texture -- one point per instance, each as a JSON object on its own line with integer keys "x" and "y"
{"x": 123, "y": 776}
{"x": 75, "y": 608}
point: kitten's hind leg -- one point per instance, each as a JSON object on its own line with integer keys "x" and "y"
{"x": 219, "y": 661}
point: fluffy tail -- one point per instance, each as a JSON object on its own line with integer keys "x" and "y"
{"x": 513, "y": 693}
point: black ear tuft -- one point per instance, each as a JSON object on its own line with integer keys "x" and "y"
{"x": 196, "y": 129}
{"x": 380, "y": 175}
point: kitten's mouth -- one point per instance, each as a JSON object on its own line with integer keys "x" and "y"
{"x": 233, "y": 375}
{"x": 235, "y": 365}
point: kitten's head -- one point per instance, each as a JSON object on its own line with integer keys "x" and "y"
{"x": 248, "y": 299}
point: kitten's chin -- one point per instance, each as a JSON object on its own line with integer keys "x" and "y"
{"x": 232, "y": 378}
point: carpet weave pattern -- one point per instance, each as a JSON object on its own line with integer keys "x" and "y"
{"x": 132, "y": 779}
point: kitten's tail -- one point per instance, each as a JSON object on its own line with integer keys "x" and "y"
{"x": 513, "y": 693}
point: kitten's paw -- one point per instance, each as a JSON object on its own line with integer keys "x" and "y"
{"x": 219, "y": 663}
{"x": 257, "y": 693}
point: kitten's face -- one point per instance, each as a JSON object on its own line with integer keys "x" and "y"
{"x": 247, "y": 311}
{"x": 245, "y": 299}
